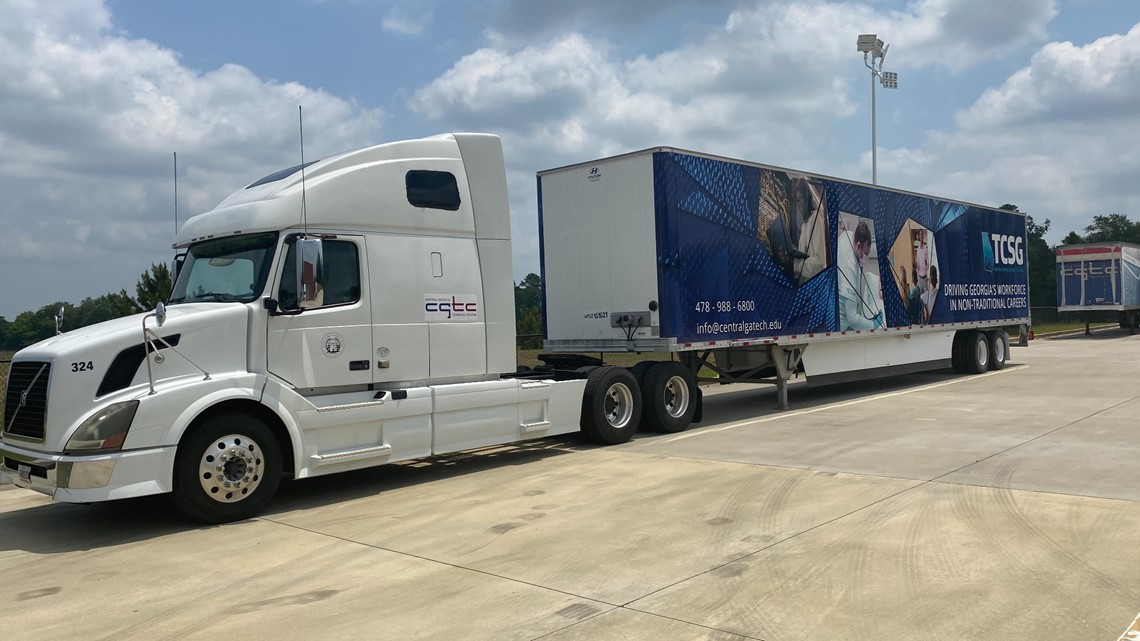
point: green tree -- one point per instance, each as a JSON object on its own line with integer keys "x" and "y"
{"x": 1072, "y": 239}
{"x": 1112, "y": 228}
{"x": 102, "y": 308}
{"x": 32, "y": 327}
{"x": 154, "y": 287}
{"x": 1042, "y": 262}
{"x": 528, "y": 311}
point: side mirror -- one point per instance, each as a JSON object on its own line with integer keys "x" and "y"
{"x": 176, "y": 267}
{"x": 310, "y": 273}
{"x": 160, "y": 313}
{"x": 59, "y": 322}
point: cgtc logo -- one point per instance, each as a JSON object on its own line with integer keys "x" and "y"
{"x": 1002, "y": 250}
{"x": 439, "y": 307}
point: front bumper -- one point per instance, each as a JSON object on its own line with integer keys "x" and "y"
{"x": 87, "y": 479}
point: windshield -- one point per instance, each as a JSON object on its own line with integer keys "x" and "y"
{"x": 225, "y": 269}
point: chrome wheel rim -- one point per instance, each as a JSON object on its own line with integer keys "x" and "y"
{"x": 983, "y": 353}
{"x": 619, "y": 405}
{"x": 231, "y": 468}
{"x": 676, "y": 397}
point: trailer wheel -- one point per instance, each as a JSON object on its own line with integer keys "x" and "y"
{"x": 611, "y": 405}
{"x": 639, "y": 371}
{"x": 976, "y": 350}
{"x": 227, "y": 468}
{"x": 999, "y": 348}
{"x": 669, "y": 392}
{"x": 957, "y": 359}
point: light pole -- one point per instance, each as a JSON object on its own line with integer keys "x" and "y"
{"x": 874, "y": 53}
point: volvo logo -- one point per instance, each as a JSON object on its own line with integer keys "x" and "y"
{"x": 23, "y": 398}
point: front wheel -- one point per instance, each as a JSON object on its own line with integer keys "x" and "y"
{"x": 227, "y": 468}
{"x": 611, "y": 405}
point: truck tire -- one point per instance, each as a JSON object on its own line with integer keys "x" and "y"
{"x": 227, "y": 468}
{"x": 976, "y": 352}
{"x": 999, "y": 348}
{"x": 640, "y": 370}
{"x": 669, "y": 393}
{"x": 611, "y": 405}
{"x": 957, "y": 359}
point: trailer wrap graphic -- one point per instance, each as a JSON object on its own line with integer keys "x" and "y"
{"x": 746, "y": 252}
{"x": 1091, "y": 276}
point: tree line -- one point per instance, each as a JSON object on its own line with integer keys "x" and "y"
{"x": 154, "y": 285}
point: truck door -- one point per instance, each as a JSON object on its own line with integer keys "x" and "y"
{"x": 329, "y": 345}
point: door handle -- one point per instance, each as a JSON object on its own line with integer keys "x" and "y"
{"x": 357, "y": 366}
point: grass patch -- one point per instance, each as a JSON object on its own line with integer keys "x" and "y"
{"x": 1049, "y": 328}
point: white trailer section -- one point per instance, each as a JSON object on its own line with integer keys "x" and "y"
{"x": 1100, "y": 277}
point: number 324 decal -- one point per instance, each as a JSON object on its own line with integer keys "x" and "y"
{"x": 81, "y": 366}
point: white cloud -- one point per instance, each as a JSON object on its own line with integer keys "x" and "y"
{"x": 91, "y": 119}
{"x": 408, "y": 18}
{"x": 771, "y": 83}
{"x": 1059, "y": 138}
{"x": 960, "y": 34}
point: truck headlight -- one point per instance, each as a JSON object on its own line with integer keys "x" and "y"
{"x": 105, "y": 431}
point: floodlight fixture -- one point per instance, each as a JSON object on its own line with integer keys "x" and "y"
{"x": 874, "y": 53}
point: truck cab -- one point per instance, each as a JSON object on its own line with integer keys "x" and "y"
{"x": 343, "y": 313}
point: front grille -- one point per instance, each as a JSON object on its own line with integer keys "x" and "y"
{"x": 25, "y": 404}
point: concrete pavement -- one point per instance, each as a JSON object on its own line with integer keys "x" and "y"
{"x": 935, "y": 506}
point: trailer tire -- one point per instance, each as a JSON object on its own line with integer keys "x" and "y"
{"x": 976, "y": 352}
{"x": 957, "y": 359}
{"x": 611, "y": 405}
{"x": 669, "y": 393}
{"x": 639, "y": 371}
{"x": 999, "y": 348}
{"x": 227, "y": 468}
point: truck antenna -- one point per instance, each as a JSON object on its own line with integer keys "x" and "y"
{"x": 176, "y": 193}
{"x": 301, "y": 129}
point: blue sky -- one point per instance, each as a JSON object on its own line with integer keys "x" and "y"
{"x": 1031, "y": 102}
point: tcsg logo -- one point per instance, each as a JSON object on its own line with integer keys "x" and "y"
{"x": 1001, "y": 250}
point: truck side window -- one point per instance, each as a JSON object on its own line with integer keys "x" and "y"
{"x": 432, "y": 189}
{"x": 341, "y": 277}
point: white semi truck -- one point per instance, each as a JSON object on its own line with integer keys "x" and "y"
{"x": 358, "y": 310}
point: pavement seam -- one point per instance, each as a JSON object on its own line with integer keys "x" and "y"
{"x": 438, "y": 562}
{"x": 612, "y": 606}
{"x": 918, "y": 484}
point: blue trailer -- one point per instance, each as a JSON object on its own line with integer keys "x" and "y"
{"x": 1100, "y": 277}
{"x": 759, "y": 273}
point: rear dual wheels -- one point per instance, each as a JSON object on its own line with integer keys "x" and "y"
{"x": 669, "y": 390}
{"x": 975, "y": 352}
{"x": 611, "y": 405}
{"x": 661, "y": 396}
{"x": 999, "y": 348}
